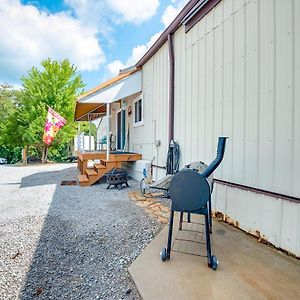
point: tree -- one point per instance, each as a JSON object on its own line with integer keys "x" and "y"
{"x": 7, "y": 101}
{"x": 8, "y": 106}
{"x": 56, "y": 85}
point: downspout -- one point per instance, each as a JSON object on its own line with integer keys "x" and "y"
{"x": 171, "y": 87}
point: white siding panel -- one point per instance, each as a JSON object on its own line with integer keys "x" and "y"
{"x": 238, "y": 135}
{"x": 201, "y": 100}
{"x": 240, "y": 78}
{"x": 238, "y": 4}
{"x": 194, "y": 123}
{"x": 219, "y": 197}
{"x": 228, "y": 96}
{"x": 283, "y": 96}
{"x": 268, "y": 218}
{"x": 267, "y": 94}
{"x": 290, "y": 231}
{"x": 188, "y": 104}
{"x": 155, "y": 95}
{"x": 296, "y": 85}
{"x": 209, "y": 99}
{"x": 251, "y": 93}
{"x": 237, "y": 74}
{"x": 218, "y": 89}
{"x": 228, "y": 9}
{"x": 209, "y": 22}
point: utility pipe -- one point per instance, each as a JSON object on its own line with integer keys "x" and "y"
{"x": 171, "y": 87}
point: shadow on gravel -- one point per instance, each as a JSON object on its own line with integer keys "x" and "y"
{"x": 46, "y": 178}
{"x": 89, "y": 238}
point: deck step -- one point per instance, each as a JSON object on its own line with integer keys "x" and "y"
{"x": 107, "y": 161}
{"x": 83, "y": 178}
{"x": 91, "y": 172}
{"x": 99, "y": 166}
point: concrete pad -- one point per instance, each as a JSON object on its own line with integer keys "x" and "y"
{"x": 247, "y": 269}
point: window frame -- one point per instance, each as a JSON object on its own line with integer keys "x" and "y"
{"x": 141, "y": 122}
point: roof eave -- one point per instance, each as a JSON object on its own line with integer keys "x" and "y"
{"x": 99, "y": 88}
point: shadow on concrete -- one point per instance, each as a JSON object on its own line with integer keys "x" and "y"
{"x": 86, "y": 242}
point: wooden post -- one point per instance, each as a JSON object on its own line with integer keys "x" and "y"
{"x": 45, "y": 154}
{"x": 24, "y": 155}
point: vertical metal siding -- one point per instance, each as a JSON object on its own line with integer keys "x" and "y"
{"x": 268, "y": 218}
{"x": 296, "y": 99}
{"x": 155, "y": 97}
{"x": 236, "y": 74}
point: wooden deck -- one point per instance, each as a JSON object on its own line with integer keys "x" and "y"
{"x": 89, "y": 176}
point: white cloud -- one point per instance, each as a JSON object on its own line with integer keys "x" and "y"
{"x": 172, "y": 11}
{"x": 136, "y": 11}
{"x": 101, "y": 13}
{"x": 136, "y": 54}
{"x": 92, "y": 13}
{"x": 29, "y": 35}
{"x": 114, "y": 67}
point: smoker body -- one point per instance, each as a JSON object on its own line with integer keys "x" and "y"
{"x": 190, "y": 192}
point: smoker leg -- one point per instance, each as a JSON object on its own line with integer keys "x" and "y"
{"x": 108, "y": 187}
{"x": 208, "y": 246}
{"x": 170, "y": 234}
{"x": 127, "y": 184}
{"x": 180, "y": 220}
{"x": 210, "y": 216}
{"x": 166, "y": 252}
{"x": 189, "y": 217}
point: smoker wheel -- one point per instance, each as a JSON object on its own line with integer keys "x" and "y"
{"x": 214, "y": 263}
{"x": 163, "y": 254}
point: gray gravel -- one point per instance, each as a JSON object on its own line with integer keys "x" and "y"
{"x": 67, "y": 242}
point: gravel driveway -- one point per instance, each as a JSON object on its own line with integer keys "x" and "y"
{"x": 67, "y": 242}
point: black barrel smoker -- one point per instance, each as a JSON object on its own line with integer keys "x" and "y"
{"x": 190, "y": 192}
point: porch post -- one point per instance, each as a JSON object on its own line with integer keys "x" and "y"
{"x": 107, "y": 131}
{"x": 90, "y": 141}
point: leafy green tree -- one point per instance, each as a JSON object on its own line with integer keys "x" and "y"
{"x": 8, "y": 106}
{"x": 7, "y": 101}
{"x": 56, "y": 85}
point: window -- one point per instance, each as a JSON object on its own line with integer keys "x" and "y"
{"x": 138, "y": 112}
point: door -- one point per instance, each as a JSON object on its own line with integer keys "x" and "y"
{"x": 121, "y": 129}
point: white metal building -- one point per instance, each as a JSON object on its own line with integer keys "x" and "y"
{"x": 237, "y": 74}
{"x": 227, "y": 68}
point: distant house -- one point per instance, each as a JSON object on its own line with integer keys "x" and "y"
{"x": 224, "y": 68}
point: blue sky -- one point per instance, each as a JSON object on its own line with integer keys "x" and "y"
{"x": 98, "y": 36}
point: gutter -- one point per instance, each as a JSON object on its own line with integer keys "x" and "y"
{"x": 171, "y": 87}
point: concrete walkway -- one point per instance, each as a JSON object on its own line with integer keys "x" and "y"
{"x": 247, "y": 269}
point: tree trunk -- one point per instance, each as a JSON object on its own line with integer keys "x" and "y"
{"x": 45, "y": 154}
